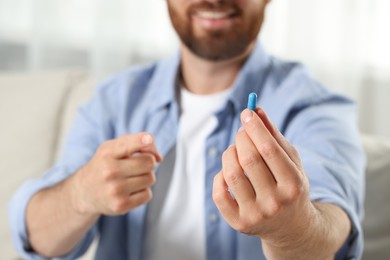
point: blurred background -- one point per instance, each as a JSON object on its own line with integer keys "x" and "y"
{"x": 344, "y": 43}
{"x": 53, "y": 52}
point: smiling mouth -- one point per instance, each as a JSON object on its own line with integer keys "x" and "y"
{"x": 215, "y": 15}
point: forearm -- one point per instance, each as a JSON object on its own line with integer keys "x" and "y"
{"x": 54, "y": 223}
{"x": 324, "y": 235}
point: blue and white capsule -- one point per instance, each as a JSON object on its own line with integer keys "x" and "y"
{"x": 252, "y": 101}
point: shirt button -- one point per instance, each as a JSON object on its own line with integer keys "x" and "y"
{"x": 213, "y": 152}
{"x": 213, "y": 217}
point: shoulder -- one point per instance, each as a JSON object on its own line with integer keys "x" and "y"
{"x": 294, "y": 80}
{"x": 131, "y": 78}
{"x": 110, "y": 99}
{"x": 291, "y": 96}
{"x": 129, "y": 85}
{"x": 292, "y": 85}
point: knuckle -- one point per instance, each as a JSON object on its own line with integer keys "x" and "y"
{"x": 110, "y": 171}
{"x": 248, "y": 160}
{"x": 105, "y": 150}
{"x": 225, "y": 155}
{"x": 114, "y": 190}
{"x": 228, "y": 153}
{"x": 243, "y": 225}
{"x": 119, "y": 206}
{"x": 231, "y": 177}
{"x": 121, "y": 145}
{"x": 294, "y": 192}
{"x": 142, "y": 198}
{"x": 268, "y": 150}
{"x": 151, "y": 179}
{"x": 256, "y": 219}
{"x": 274, "y": 207}
{"x": 148, "y": 195}
{"x": 146, "y": 162}
{"x": 149, "y": 162}
{"x": 260, "y": 215}
{"x": 218, "y": 196}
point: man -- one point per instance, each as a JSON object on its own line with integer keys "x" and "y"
{"x": 231, "y": 183}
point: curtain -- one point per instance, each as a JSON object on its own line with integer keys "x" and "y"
{"x": 343, "y": 42}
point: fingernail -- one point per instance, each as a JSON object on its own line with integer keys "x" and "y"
{"x": 241, "y": 129}
{"x": 147, "y": 139}
{"x": 247, "y": 115}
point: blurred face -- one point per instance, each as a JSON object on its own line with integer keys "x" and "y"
{"x": 217, "y": 29}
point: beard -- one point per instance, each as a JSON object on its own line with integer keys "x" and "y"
{"x": 218, "y": 44}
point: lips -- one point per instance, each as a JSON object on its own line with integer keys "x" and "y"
{"x": 215, "y": 15}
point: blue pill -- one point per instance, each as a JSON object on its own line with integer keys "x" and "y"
{"x": 252, "y": 100}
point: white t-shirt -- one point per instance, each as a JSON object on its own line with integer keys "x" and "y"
{"x": 176, "y": 217}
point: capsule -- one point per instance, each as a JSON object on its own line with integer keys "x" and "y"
{"x": 252, "y": 100}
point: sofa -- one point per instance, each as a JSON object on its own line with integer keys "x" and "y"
{"x": 36, "y": 110}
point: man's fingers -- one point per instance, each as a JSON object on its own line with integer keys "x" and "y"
{"x": 141, "y": 197}
{"x": 125, "y": 146}
{"x": 282, "y": 141}
{"x": 282, "y": 167}
{"x": 128, "y": 203}
{"x": 138, "y": 183}
{"x": 128, "y": 186}
{"x": 223, "y": 200}
{"x": 235, "y": 178}
{"x": 138, "y": 164}
{"x": 253, "y": 164}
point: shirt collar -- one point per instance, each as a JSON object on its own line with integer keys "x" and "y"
{"x": 162, "y": 88}
{"x": 250, "y": 79}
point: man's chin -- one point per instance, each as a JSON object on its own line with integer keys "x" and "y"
{"x": 220, "y": 50}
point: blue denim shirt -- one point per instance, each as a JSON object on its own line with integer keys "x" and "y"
{"x": 320, "y": 124}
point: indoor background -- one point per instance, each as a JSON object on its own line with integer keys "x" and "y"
{"x": 345, "y": 43}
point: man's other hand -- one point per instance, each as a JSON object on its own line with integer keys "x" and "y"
{"x": 118, "y": 177}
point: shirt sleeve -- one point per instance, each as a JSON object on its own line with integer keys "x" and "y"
{"x": 17, "y": 213}
{"x": 91, "y": 127}
{"x": 328, "y": 141}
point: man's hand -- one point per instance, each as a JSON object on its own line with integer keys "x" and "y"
{"x": 119, "y": 176}
{"x": 262, "y": 190}
{"x": 265, "y": 176}
{"x": 116, "y": 180}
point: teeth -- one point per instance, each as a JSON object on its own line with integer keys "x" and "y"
{"x": 212, "y": 15}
